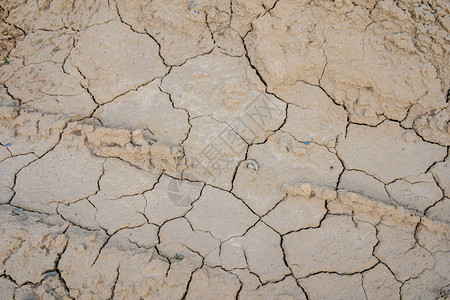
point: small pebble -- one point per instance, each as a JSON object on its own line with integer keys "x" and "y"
{"x": 17, "y": 210}
{"x": 52, "y": 273}
{"x": 409, "y": 137}
{"x": 252, "y": 164}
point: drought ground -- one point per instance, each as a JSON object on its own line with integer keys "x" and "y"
{"x": 243, "y": 149}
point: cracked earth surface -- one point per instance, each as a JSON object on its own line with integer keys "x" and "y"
{"x": 236, "y": 149}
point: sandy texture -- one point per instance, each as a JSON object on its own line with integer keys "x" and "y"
{"x": 235, "y": 149}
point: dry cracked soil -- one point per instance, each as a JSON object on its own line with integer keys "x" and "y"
{"x": 224, "y": 149}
